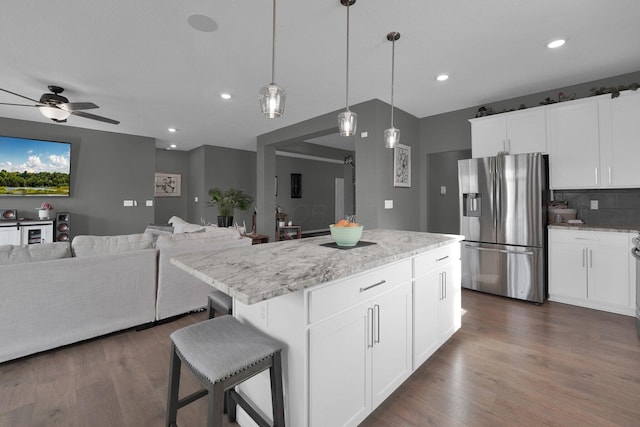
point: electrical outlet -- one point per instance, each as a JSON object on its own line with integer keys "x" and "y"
{"x": 149, "y": 202}
{"x": 388, "y": 204}
{"x": 364, "y": 134}
{"x": 594, "y": 204}
{"x": 128, "y": 203}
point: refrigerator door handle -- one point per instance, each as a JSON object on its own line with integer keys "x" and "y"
{"x": 504, "y": 251}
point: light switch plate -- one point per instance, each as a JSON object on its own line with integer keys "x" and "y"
{"x": 149, "y": 202}
{"x": 443, "y": 189}
{"x": 388, "y": 204}
{"x": 364, "y": 134}
{"x": 128, "y": 203}
{"x": 594, "y": 204}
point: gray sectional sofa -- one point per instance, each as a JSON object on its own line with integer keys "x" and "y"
{"x": 55, "y": 294}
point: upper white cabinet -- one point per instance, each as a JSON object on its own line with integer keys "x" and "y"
{"x": 574, "y": 144}
{"x": 621, "y": 139}
{"x": 515, "y": 132}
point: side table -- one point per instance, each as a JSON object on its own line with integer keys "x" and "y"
{"x": 256, "y": 239}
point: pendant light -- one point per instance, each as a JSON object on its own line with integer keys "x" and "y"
{"x": 392, "y": 135}
{"x": 272, "y": 96}
{"x": 347, "y": 120}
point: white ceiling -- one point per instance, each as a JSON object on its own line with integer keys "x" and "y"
{"x": 145, "y": 66}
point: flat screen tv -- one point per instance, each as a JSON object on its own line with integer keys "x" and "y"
{"x": 34, "y": 167}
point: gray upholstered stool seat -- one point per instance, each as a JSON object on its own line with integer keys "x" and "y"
{"x": 222, "y": 352}
{"x": 219, "y": 303}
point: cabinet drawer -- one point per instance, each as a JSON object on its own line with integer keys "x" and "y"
{"x": 590, "y": 237}
{"x": 428, "y": 261}
{"x": 344, "y": 293}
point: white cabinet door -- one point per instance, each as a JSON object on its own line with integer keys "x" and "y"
{"x": 449, "y": 302}
{"x": 10, "y": 235}
{"x": 391, "y": 361}
{"x": 608, "y": 280}
{"x": 488, "y": 136}
{"x": 526, "y": 132}
{"x": 567, "y": 270}
{"x": 624, "y": 151}
{"x": 426, "y": 331}
{"x": 574, "y": 145}
{"x": 340, "y": 369}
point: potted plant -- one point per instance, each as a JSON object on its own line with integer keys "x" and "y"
{"x": 227, "y": 202}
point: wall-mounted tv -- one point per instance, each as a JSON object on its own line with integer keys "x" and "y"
{"x": 34, "y": 167}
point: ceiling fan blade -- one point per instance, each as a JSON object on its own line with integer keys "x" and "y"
{"x": 21, "y": 105}
{"x": 21, "y": 96}
{"x": 94, "y": 117}
{"x": 73, "y": 106}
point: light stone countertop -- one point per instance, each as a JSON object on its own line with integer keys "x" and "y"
{"x": 259, "y": 272}
{"x": 595, "y": 227}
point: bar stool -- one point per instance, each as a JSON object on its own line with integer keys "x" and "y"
{"x": 219, "y": 303}
{"x": 222, "y": 353}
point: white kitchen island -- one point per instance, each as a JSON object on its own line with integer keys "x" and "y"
{"x": 355, "y": 323}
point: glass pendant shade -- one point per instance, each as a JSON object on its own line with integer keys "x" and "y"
{"x": 347, "y": 122}
{"x": 54, "y": 113}
{"x": 272, "y": 99}
{"x": 391, "y": 137}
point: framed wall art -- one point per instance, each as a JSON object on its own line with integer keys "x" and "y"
{"x": 402, "y": 166}
{"x": 167, "y": 184}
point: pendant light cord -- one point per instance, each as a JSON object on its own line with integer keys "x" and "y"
{"x": 347, "y": 96}
{"x": 393, "y": 61}
{"x": 273, "y": 46}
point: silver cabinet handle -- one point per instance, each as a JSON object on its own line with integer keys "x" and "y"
{"x": 444, "y": 284}
{"x": 370, "y": 321}
{"x": 596, "y": 176}
{"x": 442, "y": 259}
{"x": 376, "y": 315}
{"x": 583, "y": 251}
{"x": 366, "y": 288}
{"x": 590, "y": 258}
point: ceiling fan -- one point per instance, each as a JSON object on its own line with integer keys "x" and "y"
{"x": 57, "y": 107}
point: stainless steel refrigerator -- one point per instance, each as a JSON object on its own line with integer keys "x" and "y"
{"x": 503, "y": 203}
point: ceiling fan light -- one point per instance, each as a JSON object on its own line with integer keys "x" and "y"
{"x": 347, "y": 123}
{"x": 272, "y": 100}
{"x": 54, "y": 113}
{"x": 391, "y": 137}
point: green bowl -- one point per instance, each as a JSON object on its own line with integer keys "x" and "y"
{"x": 346, "y": 236}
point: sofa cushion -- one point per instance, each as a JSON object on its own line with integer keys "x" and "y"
{"x": 188, "y": 240}
{"x": 106, "y": 245}
{"x": 10, "y": 254}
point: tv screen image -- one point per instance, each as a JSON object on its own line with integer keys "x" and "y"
{"x": 34, "y": 167}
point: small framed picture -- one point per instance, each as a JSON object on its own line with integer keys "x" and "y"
{"x": 402, "y": 166}
{"x": 167, "y": 184}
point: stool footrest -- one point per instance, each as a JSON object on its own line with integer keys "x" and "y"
{"x": 192, "y": 398}
{"x": 235, "y": 398}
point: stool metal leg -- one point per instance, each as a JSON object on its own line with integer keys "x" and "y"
{"x": 277, "y": 400}
{"x": 174, "y": 386}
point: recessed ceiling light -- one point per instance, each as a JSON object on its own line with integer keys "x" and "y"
{"x": 225, "y": 95}
{"x": 556, "y": 43}
{"x": 442, "y": 77}
{"x": 172, "y": 130}
{"x": 173, "y": 145}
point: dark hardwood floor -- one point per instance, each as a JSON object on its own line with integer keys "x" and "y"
{"x": 512, "y": 363}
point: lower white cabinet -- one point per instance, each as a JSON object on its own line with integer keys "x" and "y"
{"x": 592, "y": 269}
{"x": 358, "y": 358}
{"x": 436, "y": 301}
{"x": 350, "y": 343}
{"x": 10, "y": 235}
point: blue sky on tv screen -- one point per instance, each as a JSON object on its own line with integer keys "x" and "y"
{"x": 31, "y": 155}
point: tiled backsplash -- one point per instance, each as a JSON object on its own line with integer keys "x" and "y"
{"x": 615, "y": 207}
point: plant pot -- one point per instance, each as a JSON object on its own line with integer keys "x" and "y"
{"x": 43, "y": 213}
{"x": 225, "y": 221}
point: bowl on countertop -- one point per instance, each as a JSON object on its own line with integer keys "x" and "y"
{"x": 346, "y": 236}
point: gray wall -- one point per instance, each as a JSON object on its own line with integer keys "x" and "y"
{"x": 374, "y": 165}
{"x": 315, "y": 210}
{"x": 452, "y": 131}
{"x": 172, "y": 161}
{"x": 106, "y": 169}
{"x": 440, "y": 173}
